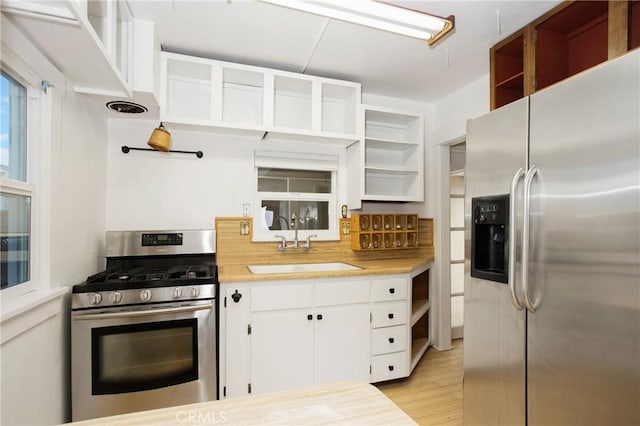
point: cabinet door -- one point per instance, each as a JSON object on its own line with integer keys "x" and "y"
{"x": 342, "y": 344}
{"x": 234, "y": 340}
{"x": 281, "y": 350}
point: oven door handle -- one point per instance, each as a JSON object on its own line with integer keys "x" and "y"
{"x": 149, "y": 312}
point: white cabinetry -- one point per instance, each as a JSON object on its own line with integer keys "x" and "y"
{"x": 90, "y": 42}
{"x": 292, "y": 334}
{"x": 389, "y": 322}
{"x": 390, "y": 158}
{"x": 259, "y": 101}
{"x": 277, "y": 335}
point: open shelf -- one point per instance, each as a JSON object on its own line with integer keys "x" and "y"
{"x": 242, "y": 96}
{"x": 418, "y": 309}
{"x": 339, "y": 108}
{"x": 292, "y": 103}
{"x": 572, "y": 40}
{"x": 418, "y": 349}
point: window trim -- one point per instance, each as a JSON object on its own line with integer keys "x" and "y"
{"x": 29, "y": 187}
{"x": 296, "y": 161}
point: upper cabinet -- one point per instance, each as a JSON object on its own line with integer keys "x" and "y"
{"x": 254, "y": 100}
{"x": 390, "y": 158}
{"x": 90, "y": 42}
{"x": 571, "y": 38}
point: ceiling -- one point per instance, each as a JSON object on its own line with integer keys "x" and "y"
{"x": 256, "y": 33}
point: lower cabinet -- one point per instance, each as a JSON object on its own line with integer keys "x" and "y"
{"x": 277, "y": 335}
{"x": 281, "y": 351}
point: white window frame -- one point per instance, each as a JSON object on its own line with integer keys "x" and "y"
{"x": 296, "y": 161}
{"x": 28, "y": 188}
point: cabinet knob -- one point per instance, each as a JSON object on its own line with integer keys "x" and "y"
{"x": 391, "y": 340}
{"x": 309, "y": 317}
{"x": 390, "y": 316}
{"x": 392, "y": 290}
{"x": 319, "y": 316}
{"x": 391, "y": 368}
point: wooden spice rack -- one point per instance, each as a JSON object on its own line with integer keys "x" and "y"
{"x": 382, "y": 231}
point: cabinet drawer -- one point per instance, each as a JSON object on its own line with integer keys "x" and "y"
{"x": 388, "y": 314}
{"x": 389, "y": 290}
{"x": 272, "y": 297}
{"x": 390, "y": 366}
{"x": 342, "y": 293}
{"x": 389, "y": 339}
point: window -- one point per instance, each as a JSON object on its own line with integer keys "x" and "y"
{"x": 16, "y": 192}
{"x": 307, "y": 191}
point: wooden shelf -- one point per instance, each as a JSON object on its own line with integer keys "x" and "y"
{"x": 418, "y": 348}
{"x": 516, "y": 81}
{"x": 418, "y": 309}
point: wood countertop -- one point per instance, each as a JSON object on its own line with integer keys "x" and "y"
{"x": 240, "y": 272}
{"x": 337, "y": 404}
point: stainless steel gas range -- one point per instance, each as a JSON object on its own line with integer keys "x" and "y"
{"x": 143, "y": 332}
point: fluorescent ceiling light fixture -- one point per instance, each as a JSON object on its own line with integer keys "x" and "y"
{"x": 375, "y": 14}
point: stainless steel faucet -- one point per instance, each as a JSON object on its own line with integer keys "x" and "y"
{"x": 296, "y": 244}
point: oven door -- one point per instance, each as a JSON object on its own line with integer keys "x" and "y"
{"x": 145, "y": 357}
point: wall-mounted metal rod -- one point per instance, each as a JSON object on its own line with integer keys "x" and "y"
{"x": 126, "y": 149}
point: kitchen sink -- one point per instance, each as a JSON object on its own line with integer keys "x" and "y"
{"x": 301, "y": 267}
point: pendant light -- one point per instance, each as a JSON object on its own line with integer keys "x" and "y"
{"x": 160, "y": 139}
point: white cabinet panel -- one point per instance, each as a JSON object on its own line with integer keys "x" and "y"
{"x": 389, "y": 289}
{"x": 342, "y": 344}
{"x": 287, "y": 296}
{"x": 281, "y": 350}
{"x": 389, "y": 339}
{"x": 389, "y": 366}
{"x": 342, "y": 293}
{"x": 389, "y": 314}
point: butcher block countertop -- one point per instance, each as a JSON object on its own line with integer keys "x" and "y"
{"x": 235, "y": 251}
{"x": 240, "y": 272}
{"x": 337, "y": 404}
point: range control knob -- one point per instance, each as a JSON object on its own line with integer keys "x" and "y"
{"x": 145, "y": 295}
{"x": 96, "y": 298}
{"x": 195, "y": 292}
{"x": 177, "y": 293}
{"x": 116, "y": 297}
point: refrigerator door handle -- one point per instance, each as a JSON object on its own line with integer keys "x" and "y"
{"x": 525, "y": 238}
{"x": 512, "y": 239}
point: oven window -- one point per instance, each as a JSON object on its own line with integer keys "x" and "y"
{"x": 130, "y": 358}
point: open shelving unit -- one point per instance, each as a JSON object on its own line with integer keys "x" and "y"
{"x": 420, "y": 312}
{"x": 255, "y": 101}
{"x": 570, "y": 38}
{"x": 393, "y": 155}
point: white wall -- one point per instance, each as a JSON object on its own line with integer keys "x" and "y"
{"x": 152, "y": 190}
{"x": 34, "y": 365}
{"x": 452, "y": 112}
{"x": 450, "y": 118}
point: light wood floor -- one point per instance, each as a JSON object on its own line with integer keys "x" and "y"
{"x": 432, "y": 395}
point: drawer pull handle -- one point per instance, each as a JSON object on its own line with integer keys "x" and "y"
{"x": 391, "y": 368}
{"x": 392, "y": 290}
{"x": 309, "y": 317}
{"x": 391, "y": 340}
{"x": 319, "y": 316}
{"x": 390, "y": 316}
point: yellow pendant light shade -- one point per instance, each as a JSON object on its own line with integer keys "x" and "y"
{"x": 160, "y": 139}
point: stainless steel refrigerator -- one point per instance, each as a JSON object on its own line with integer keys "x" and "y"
{"x": 552, "y": 269}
